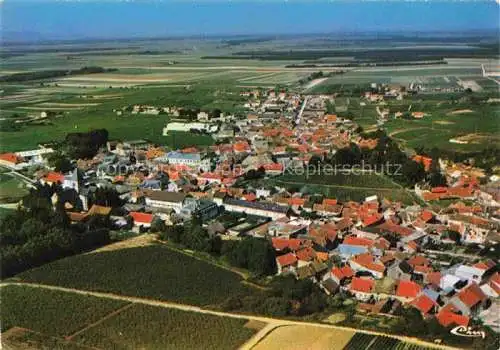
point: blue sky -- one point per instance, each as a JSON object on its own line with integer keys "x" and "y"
{"x": 109, "y": 19}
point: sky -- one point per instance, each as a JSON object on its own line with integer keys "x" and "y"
{"x": 43, "y": 19}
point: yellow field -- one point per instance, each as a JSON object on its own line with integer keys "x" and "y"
{"x": 305, "y": 338}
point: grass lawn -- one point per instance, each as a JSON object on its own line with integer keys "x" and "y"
{"x": 11, "y": 189}
{"x": 149, "y": 327}
{"x": 155, "y": 272}
{"x": 51, "y": 312}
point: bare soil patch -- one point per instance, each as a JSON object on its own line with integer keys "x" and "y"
{"x": 461, "y": 111}
{"x": 139, "y": 241}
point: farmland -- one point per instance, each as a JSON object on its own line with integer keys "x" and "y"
{"x": 304, "y": 337}
{"x": 374, "y": 342}
{"x": 57, "y": 313}
{"x": 180, "y": 72}
{"x": 345, "y": 187}
{"x": 149, "y": 327}
{"x": 151, "y": 272}
{"x": 74, "y": 321}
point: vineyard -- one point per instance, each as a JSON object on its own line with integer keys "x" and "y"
{"x": 51, "y": 312}
{"x": 53, "y": 319}
{"x": 154, "y": 272}
{"x": 362, "y": 341}
{"x": 345, "y": 187}
{"x": 148, "y": 327}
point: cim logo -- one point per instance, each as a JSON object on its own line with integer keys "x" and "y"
{"x": 463, "y": 331}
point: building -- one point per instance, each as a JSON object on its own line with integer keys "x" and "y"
{"x": 165, "y": 200}
{"x": 271, "y": 210}
{"x": 203, "y": 208}
{"x": 192, "y": 160}
{"x": 187, "y": 127}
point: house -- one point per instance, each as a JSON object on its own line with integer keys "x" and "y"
{"x": 329, "y": 286}
{"x": 141, "y": 219}
{"x": 425, "y": 161}
{"x": 286, "y": 244}
{"x": 400, "y": 270}
{"x": 424, "y": 304}
{"x": 11, "y": 160}
{"x": 99, "y": 210}
{"x": 362, "y": 287}
{"x": 165, "y": 200}
{"x": 447, "y": 316}
{"x": 407, "y": 289}
{"x": 366, "y": 262}
{"x": 341, "y": 274}
{"x": 469, "y": 300}
{"x": 286, "y": 263}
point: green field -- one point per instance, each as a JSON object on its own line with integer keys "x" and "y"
{"x": 149, "y": 327}
{"x": 11, "y": 189}
{"x": 154, "y": 272}
{"x": 61, "y": 320}
{"x": 51, "y": 312}
{"x": 345, "y": 187}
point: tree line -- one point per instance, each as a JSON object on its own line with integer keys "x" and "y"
{"x": 54, "y": 73}
{"x": 37, "y": 234}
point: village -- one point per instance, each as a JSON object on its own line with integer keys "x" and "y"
{"x": 381, "y": 252}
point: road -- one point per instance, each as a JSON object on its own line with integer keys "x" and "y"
{"x": 299, "y": 116}
{"x": 488, "y": 76}
{"x": 271, "y": 322}
{"x": 313, "y": 83}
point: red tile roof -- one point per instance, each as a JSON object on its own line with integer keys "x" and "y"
{"x": 306, "y": 254}
{"x": 439, "y": 189}
{"x": 418, "y": 260}
{"x": 434, "y": 278}
{"x": 54, "y": 177}
{"x": 407, "y": 289}
{"x": 283, "y": 243}
{"x": 426, "y": 161}
{"x": 141, "y": 218}
{"x": 426, "y": 215}
{"x": 273, "y": 167}
{"x": 471, "y": 295}
{"x": 364, "y": 285}
{"x": 11, "y": 158}
{"x": 296, "y": 201}
{"x": 371, "y": 219}
{"x": 367, "y": 260}
{"x": 446, "y": 318}
{"x": 328, "y": 201}
{"x": 423, "y": 303}
{"x": 358, "y": 241}
{"x": 343, "y": 272}
{"x": 286, "y": 260}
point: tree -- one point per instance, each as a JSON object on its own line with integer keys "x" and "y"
{"x": 436, "y": 178}
{"x": 107, "y": 197}
{"x": 9, "y": 125}
{"x": 255, "y": 254}
{"x": 412, "y": 172}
